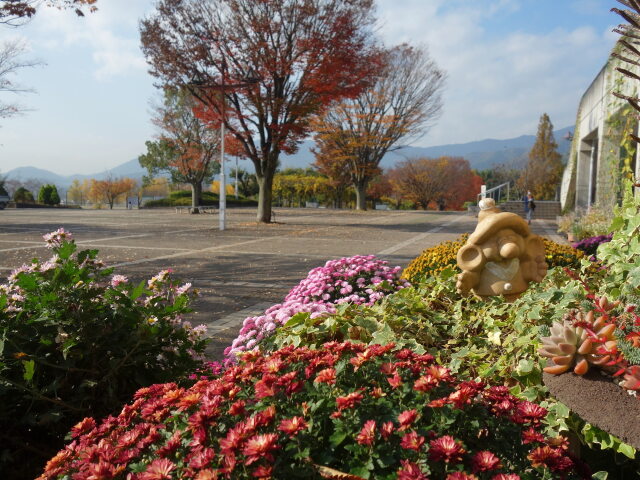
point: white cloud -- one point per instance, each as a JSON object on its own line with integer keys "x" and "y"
{"x": 498, "y": 87}
{"x": 111, "y": 34}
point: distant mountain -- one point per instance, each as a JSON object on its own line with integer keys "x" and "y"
{"x": 481, "y": 154}
{"x": 129, "y": 169}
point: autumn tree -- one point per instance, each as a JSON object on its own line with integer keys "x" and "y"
{"x": 186, "y": 148}
{"x": 446, "y": 181}
{"x": 401, "y": 104}
{"x": 543, "y": 172}
{"x": 75, "y": 192}
{"x": 109, "y": 189}
{"x": 300, "y": 54}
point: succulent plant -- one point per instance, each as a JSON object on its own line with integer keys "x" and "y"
{"x": 575, "y": 343}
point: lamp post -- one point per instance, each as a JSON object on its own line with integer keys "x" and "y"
{"x": 236, "y": 185}
{"x": 221, "y": 87}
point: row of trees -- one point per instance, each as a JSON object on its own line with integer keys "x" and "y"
{"x": 275, "y": 72}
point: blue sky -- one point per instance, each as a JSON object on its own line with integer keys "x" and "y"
{"x": 508, "y": 61}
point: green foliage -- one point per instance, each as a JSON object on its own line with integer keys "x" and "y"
{"x": 182, "y": 198}
{"x": 76, "y": 340}
{"x": 22, "y": 195}
{"x": 48, "y": 195}
{"x": 622, "y": 253}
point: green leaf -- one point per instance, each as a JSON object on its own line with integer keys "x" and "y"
{"x": 383, "y": 336}
{"x": 626, "y": 450}
{"x": 29, "y": 369}
{"x": 297, "y": 319}
{"x": 337, "y": 438}
{"x": 600, "y": 475}
{"x": 138, "y": 291}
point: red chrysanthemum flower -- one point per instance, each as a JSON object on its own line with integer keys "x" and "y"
{"x": 554, "y": 458}
{"x": 264, "y": 388}
{"x": 292, "y": 426}
{"x": 263, "y": 472}
{"x": 406, "y": 418}
{"x": 368, "y": 433}
{"x": 328, "y": 376}
{"x": 412, "y": 441}
{"x": 237, "y": 408}
{"x": 506, "y": 476}
{"x": 388, "y": 368}
{"x": 445, "y": 448}
{"x": 349, "y": 401}
{"x": 425, "y": 383}
{"x": 410, "y": 471}
{"x": 377, "y": 392}
{"x": 439, "y": 372}
{"x": 529, "y": 412}
{"x": 83, "y": 427}
{"x": 159, "y": 469}
{"x": 485, "y": 461}
{"x": 461, "y": 476}
{"x": 361, "y": 358}
{"x": 387, "y": 429}
{"x": 259, "y": 446}
{"x": 531, "y": 435}
{"x": 395, "y": 381}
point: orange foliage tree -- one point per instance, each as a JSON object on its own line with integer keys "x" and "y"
{"x": 109, "y": 189}
{"x": 446, "y": 181}
{"x": 401, "y": 104}
{"x": 302, "y": 55}
{"x": 187, "y": 146}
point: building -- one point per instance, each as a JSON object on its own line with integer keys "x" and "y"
{"x": 601, "y": 152}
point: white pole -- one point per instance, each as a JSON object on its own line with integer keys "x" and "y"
{"x": 223, "y": 187}
{"x": 236, "y": 189}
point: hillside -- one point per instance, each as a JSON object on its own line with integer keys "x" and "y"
{"x": 481, "y": 154}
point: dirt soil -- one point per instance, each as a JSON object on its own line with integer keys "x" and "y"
{"x": 598, "y": 400}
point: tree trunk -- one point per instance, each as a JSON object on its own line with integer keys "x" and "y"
{"x": 196, "y": 193}
{"x": 361, "y": 195}
{"x": 264, "y": 197}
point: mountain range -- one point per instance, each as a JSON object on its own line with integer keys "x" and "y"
{"x": 481, "y": 154}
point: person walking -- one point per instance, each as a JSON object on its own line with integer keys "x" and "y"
{"x": 530, "y": 207}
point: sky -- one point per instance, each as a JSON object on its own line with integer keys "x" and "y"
{"x": 507, "y": 62}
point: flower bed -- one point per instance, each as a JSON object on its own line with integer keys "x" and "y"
{"x": 77, "y": 340}
{"x": 361, "y": 280}
{"x": 344, "y": 411}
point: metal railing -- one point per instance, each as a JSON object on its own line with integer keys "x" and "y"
{"x": 500, "y": 193}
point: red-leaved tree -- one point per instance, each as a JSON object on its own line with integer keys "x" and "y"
{"x": 301, "y": 55}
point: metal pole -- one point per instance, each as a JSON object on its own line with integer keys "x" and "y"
{"x": 223, "y": 186}
{"x": 236, "y": 189}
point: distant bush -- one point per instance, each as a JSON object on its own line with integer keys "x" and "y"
{"x": 23, "y": 195}
{"x": 48, "y": 195}
{"x": 182, "y": 198}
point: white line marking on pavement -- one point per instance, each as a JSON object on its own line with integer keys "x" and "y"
{"x": 422, "y": 236}
{"x": 190, "y": 252}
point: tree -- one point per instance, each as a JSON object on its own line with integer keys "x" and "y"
{"x": 187, "y": 146}
{"x": 401, "y": 105}
{"x": 22, "y": 195}
{"x": 75, "y": 193}
{"x": 110, "y": 189}
{"x": 10, "y": 62}
{"x": 544, "y": 169}
{"x": 247, "y": 183}
{"x": 302, "y": 55}
{"x": 446, "y": 181}
{"x": 44, "y": 195}
{"x": 16, "y": 12}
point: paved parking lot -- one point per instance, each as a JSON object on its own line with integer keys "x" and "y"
{"x": 239, "y": 271}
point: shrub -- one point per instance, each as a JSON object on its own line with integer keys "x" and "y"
{"x": 434, "y": 260}
{"x": 77, "y": 340}
{"x": 22, "y": 195}
{"x": 375, "y": 412}
{"x": 359, "y": 280}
